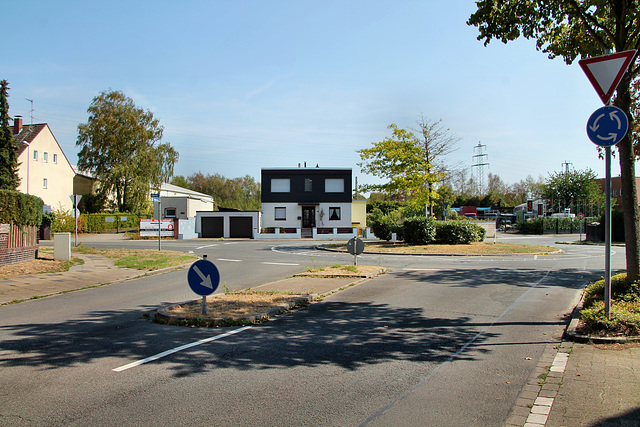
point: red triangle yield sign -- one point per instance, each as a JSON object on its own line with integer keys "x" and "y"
{"x": 605, "y": 72}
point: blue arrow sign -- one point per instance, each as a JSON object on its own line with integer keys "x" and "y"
{"x": 203, "y": 277}
{"x": 607, "y": 126}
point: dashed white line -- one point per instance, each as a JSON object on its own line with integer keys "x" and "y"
{"x": 277, "y": 263}
{"x": 177, "y": 349}
{"x": 229, "y": 260}
{"x": 206, "y": 246}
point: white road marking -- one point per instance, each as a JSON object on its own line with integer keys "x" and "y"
{"x": 177, "y": 349}
{"x": 427, "y": 269}
{"x": 206, "y": 246}
{"x": 228, "y": 260}
{"x": 277, "y": 263}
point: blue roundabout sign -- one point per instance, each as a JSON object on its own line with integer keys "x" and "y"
{"x": 607, "y": 126}
{"x": 203, "y": 277}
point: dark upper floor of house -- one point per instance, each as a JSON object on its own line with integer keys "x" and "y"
{"x": 306, "y": 185}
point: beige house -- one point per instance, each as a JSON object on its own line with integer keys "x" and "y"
{"x": 44, "y": 170}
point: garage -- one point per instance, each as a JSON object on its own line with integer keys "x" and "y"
{"x": 240, "y": 227}
{"x": 212, "y": 227}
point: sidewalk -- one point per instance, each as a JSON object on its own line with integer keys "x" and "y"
{"x": 581, "y": 384}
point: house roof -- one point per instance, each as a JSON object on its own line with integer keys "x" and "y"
{"x": 176, "y": 189}
{"x": 27, "y": 134}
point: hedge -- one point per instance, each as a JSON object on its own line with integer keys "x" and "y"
{"x": 20, "y": 209}
{"x": 459, "y": 232}
{"x": 419, "y": 230}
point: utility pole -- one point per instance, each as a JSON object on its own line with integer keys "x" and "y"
{"x": 565, "y": 166}
{"x": 479, "y": 162}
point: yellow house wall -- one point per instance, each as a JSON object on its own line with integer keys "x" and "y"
{"x": 59, "y": 175}
{"x": 359, "y": 213}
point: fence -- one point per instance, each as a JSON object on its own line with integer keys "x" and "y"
{"x": 17, "y": 243}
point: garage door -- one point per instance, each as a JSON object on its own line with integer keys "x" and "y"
{"x": 240, "y": 226}
{"x": 212, "y": 227}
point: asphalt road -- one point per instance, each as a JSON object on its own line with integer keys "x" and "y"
{"x": 438, "y": 341}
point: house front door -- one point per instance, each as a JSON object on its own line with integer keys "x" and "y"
{"x": 308, "y": 216}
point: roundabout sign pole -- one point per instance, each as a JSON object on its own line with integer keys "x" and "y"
{"x": 605, "y": 128}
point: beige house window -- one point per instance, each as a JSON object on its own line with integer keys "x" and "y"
{"x": 35, "y": 155}
{"x": 44, "y": 182}
{"x": 45, "y": 157}
{"x": 55, "y": 158}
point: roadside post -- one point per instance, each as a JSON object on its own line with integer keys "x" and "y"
{"x": 605, "y": 128}
{"x": 355, "y": 247}
{"x": 203, "y": 278}
{"x": 580, "y": 217}
{"x": 156, "y": 199}
{"x": 75, "y": 212}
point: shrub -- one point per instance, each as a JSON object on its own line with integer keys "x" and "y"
{"x": 532, "y": 226}
{"x": 20, "y": 209}
{"x": 385, "y": 224}
{"x": 420, "y": 230}
{"x": 621, "y": 290}
{"x": 624, "y": 319}
{"x": 459, "y": 232}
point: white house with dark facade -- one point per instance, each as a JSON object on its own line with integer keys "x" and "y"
{"x": 311, "y": 202}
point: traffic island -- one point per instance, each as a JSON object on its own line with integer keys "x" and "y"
{"x": 261, "y": 303}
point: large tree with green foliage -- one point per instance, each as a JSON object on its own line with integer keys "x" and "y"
{"x": 8, "y": 148}
{"x": 400, "y": 160}
{"x": 236, "y": 193}
{"x": 573, "y": 185}
{"x": 121, "y": 144}
{"x": 572, "y": 29}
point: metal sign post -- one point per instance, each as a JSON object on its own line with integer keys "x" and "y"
{"x": 75, "y": 199}
{"x": 355, "y": 247}
{"x": 203, "y": 278}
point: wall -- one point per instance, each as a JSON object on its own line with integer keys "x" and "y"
{"x": 59, "y": 175}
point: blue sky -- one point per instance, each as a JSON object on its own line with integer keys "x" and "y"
{"x": 244, "y": 85}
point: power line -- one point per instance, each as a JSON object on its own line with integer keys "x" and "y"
{"x": 480, "y": 161}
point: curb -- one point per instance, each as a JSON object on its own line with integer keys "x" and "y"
{"x": 559, "y": 251}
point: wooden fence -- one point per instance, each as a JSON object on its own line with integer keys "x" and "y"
{"x": 17, "y": 243}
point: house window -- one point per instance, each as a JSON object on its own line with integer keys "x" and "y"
{"x": 308, "y": 184}
{"x": 334, "y": 214}
{"x": 35, "y": 155}
{"x": 280, "y": 214}
{"x": 44, "y": 182}
{"x": 55, "y": 158}
{"x": 45, "y": 157}
{"x": 170, "y": 212}
{"x": 280, "y": 185}
{"x": 333, "y": 185}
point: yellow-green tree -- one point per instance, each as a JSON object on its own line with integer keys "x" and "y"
{"x": 400, "y": 160}
{"x": 122, "y": 145}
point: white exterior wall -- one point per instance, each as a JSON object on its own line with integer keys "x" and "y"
{"x": 293, "y": 212}
{"x": 59, "y": 175}
{"x": 322, "y": 215}
{"x": 294, "y": 215}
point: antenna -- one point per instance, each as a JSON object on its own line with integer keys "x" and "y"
{"x": 31, "y": 112}
{"x": 480, "y": 161}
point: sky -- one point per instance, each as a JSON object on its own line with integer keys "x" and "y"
{"x": 249, "y": 84}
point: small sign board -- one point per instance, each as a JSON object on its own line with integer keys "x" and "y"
{"x": 109, "y": 219}
{"x": 607, "y": 126}
{"x": 605, "y": 72}
{"x": 355, "y": 246}
{"x": 149, "y": 228}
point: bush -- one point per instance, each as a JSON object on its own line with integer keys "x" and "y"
{"x": 383, "y": 225}
{"x": 625, "y": 307}
{"x": 624, "y": 319}
{"x": 419, "y": 230}
{"x": 20, "y": 209}
{"x": 459, "y": 232}
{"x": 621, "y": 290}
{"x": 532, "y": 226}
{"x": 64, "y": 222}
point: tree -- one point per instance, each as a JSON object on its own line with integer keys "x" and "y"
{"x": 401, "y": 160}
{"x": 572, "y": 29}
{"x": 438, "y": 143}
{"x": 237, "y": 193}
{"x": 121, "y": 144}
{"x": 574, "y": 185}
{"x": 9, "y": 179}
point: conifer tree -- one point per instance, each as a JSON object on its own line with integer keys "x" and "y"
{"x": 9, "y": 179}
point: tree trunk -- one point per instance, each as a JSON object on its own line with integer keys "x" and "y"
{"x": 629, "y": 190}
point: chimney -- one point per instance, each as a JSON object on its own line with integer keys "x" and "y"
{"x": 17, "y": 125}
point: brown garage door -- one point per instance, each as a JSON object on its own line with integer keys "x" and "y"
{"x": 240, "y": 226}
{"x": 212, "y": 227}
